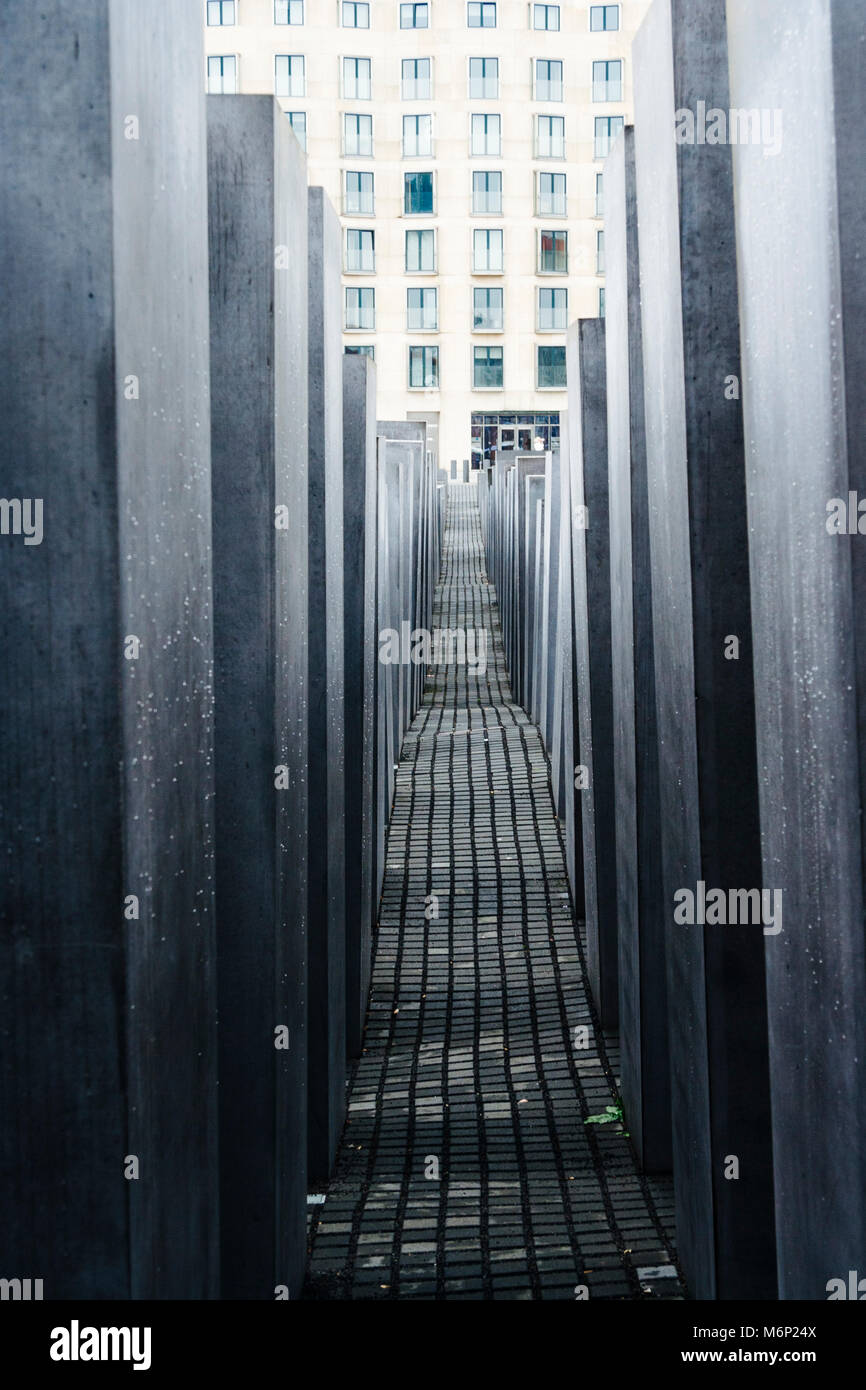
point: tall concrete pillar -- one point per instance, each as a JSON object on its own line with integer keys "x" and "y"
{"x": 257, "y": 182}
{"x": 360, "y": 501}
{"x": 327, "y": 890}
{"x": 590, "y": 548}
{"x": 801, "y": 209}
{"x": 642, "y": 913}
{"x": 107, "y": 966}
{"x": 703, "y": 656}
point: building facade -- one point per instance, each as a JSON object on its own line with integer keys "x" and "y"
{"x": 462, "y": 143}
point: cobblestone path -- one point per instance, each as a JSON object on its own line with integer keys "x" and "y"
{"x": 466, "y": 1169}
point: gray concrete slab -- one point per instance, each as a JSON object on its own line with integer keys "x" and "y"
{"x": 107, "y": 961}
{"x": 800, "y": 216}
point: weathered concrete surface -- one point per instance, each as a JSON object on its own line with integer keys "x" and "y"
{"x": 642, "y": 916}
{"x": 360, "y": 502}
{"x": 569, "y": 809}
{"x": 800, "y": 220}
{"x": 550, "y": 599}
{"x": 705, "y": 701}
{"x": 533, "y": 643}
{"x": 327, "y": 890}
{"x": 590, "y": 551}
{"x": 257, "y": 191}
{"x": 106, "y": 775}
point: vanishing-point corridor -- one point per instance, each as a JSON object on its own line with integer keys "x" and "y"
{"x": 466, "y": 1169}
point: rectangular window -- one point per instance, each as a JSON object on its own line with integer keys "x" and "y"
{"x": 548, "y": 79}
{"x": 545, "y": 17}
{"x": 288, "y": 11}
{"x": 481, "y": 16}
{"x": 422, "y": 311}
{"x": 487, "y": 192}
{"x": 358, "y": 79}
{"x": 357, "y": 134}
{"x": 487, "y": 369}
{"x": 414, "y": 16}
{"x": 355, "y": 15}
{"x": 550, "y": 137}
{"x": 420, "y": 252}
{"x": 222, "y": 76}
{"x": 417, "y": 79}
{"x": 599, "y": 253}
{"x": 357, "y": 350}
{"x": 290, "y": 76}
{"x": 483, "y": 79}
{"x": 298, "y": 122}
{"x": 487, "y": 250}
{"x": 358, "y": 194}
{"x": 221, "y": 12}
{"x": 551, "y": 368}
{"x": 553, "y": 253}
{"x": 607, "y": 128}
{"x": 487, "y": 310}
{"x": 601, "y": 302}
{"x": 603, "y": 17}
{"x": 418, "y": 194}
{"x": 550, "y": 196}
{"x": 423, "y": 367}
{"x": 607, "y": 81}
{"x": 360, "y": 250}
{"x": 360, "y": 308}
{"x": 486, "y": 136}
{"x": 599, "y": 195}
{"x": 552, "y": 310}
{"x": 417, "y": 136}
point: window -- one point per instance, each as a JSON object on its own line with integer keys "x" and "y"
{"x": 481, "y": 16}
{"x": 358, "y": 194}
{"x": 487, "y": 310}
{"x": 548, "y": 79}
{"x": 487, "y": 369}
{"x": 357, "y": 134}
{"x": 360, "y": 308}
{"x": 552, "y": 310}
{"x": 553, "y": 253}
{"x": 601, "y": 302}
{"x": 607, "y": 81}
{"x": 418, "y": 193}
{"x": 221, "y": 12}
{"x": 417, "y": 136}
{"x": 355, "y": 16}
{"x": 599, "y": 195}
{"x": 360, "y": 250}
{"x": 357, "y": 350}
{"x": 486, "y": 135}
{"x": 545, "y": 16}
{"x": 417, "y": 79}
{"x": 551, "y": 368}
{"x": 420, "y": 251}
{"x": 298, "y": 122}
{"x": 422, "y": 311}
{"x": 222, "y": 76}
{"x": 603, "y": 17}
{"x": 290, "y": 77}
{"x": 599, "y": 253}
{"x": 414, "y": 16}
{"x": 423, "y": 367}
{"x": 288, "y": 11}
{"x": 487, "y": 192}
{"x": 487, "y": 250}
{"x": 550, "y": 137}
{"x": 550, "y": 195}
{"x": 607, "y": 128}
{"x": 357, "y": 79}
{"x": 483, "y": 79}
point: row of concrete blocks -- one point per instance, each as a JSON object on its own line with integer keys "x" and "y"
{"x": 198, "y": 746}
{"x": 710, "y": 643}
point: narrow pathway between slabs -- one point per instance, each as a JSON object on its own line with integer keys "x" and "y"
{"x": 466, "y": 1169}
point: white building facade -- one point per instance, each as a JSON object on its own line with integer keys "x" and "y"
{"x": 462, "y": 142}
